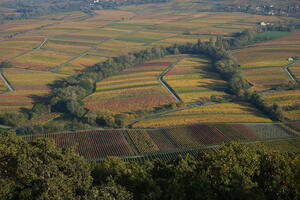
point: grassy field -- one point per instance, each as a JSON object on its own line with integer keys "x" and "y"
{"x": 223, "y": 112}
{"x": 193, "y": 82}
{"x": 134, "y": 89}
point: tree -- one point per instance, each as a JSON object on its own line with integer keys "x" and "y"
{"x": 6, "y": 64}
{"x": 14, "y": 119}
{"x": 113, "y": 191}
{"x": 39, "y": 170}
{"x": 76, "y": 108}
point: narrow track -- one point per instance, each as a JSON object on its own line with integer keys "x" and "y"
{"x": 288, "y": 71}
{"x": 165, "y": 84}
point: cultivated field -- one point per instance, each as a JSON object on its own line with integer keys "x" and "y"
{"x": 133, "y": 89}
{"x": 289, "y": 101}
{"x": 75, "y": 40}
{"x": 223, "y": 112}
{"x": 264, "y": 63}
{"x": 163, "y": 143}
{"x": 295, "y": 69}
{"x": 93, "y": 144}
{"x": 30, "y": 86}
{"x": 193, "y": 80}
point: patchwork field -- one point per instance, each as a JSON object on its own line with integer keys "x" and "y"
{"x": 136, "y": 27}
{"x": 264, "y": 63}
{"x": 223, "y": 112}
{"x": 133, "y": 89}
{"x": 193, "y": 82}
{"x": 29, "y": 86}
{"x": 76, "y": 40}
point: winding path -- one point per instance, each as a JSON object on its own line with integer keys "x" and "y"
{"x": 165, "y": 84}
{"x": 288, "y": 71}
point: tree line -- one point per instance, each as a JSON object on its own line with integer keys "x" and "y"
{"x": 39, "y": 170}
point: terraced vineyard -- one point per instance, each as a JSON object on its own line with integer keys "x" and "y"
{"x": 143, "y": 144}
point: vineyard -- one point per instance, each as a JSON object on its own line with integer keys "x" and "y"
{"x": 222, "y": 112}
{"x": 295, "y": 69}
{"x": 193, "y": 82}
{"x": 143, "y": 144}
{"x": 133, "y": 89}
{"x": 263, "y": 63}
{"x": 29, "y": 86}
{"x": 92, "y": 144}
{"x": 80, "y": 40}
{"x": 289, "y": 100}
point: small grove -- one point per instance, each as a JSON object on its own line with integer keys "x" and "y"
{"x": 234, "y": 171}
{"x": 67, "y": 95}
